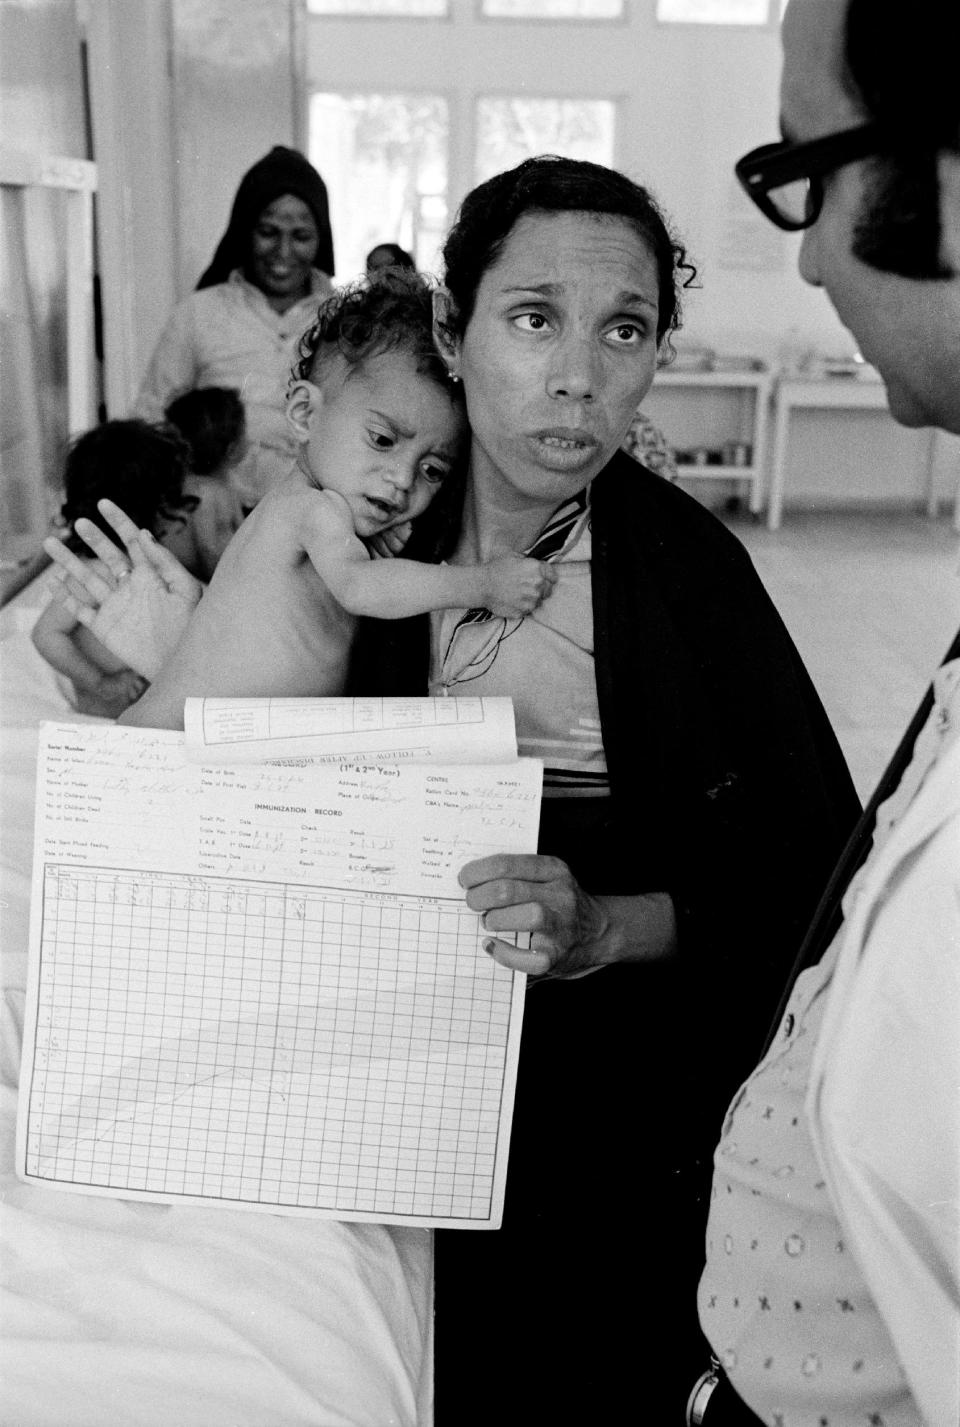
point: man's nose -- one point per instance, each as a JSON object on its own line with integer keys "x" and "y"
{"x": 807, "y": 261}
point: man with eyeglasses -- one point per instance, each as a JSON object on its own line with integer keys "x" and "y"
{"x": 831, "y": 1294}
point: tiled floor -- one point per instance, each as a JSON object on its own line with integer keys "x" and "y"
{"x": 872, "y": 601}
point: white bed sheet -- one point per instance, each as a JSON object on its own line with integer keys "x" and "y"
{"x": 147, "y": 1315}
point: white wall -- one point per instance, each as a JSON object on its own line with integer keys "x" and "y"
{"x": 41, "y": 114}
{"x": 232, "y": 68}
{"x": 128, "y": 46}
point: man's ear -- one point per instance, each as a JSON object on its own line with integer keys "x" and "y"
{"x": 304, "y": 402}
{"x": 445, "y": 337}
{"x": 948, "y": 168}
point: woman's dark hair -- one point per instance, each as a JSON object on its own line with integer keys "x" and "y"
{"x": 397, "y": 257}
{"x": 549, "y": 184}
{"x": 211, "y": 420}
{"x": 905, "y": 73}
{"x": 392, "y": 308}
{"x": 139, "y": 466}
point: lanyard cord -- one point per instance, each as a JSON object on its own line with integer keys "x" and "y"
{"x": 829, "y": 914}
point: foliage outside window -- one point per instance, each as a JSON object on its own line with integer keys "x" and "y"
{"x": 383, "y": 158}
{"x": 509, "y": 130}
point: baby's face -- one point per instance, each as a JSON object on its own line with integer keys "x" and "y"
{"x": 383, "y": 436}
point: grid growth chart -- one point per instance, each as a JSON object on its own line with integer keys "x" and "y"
{"x": 262, "y": 987}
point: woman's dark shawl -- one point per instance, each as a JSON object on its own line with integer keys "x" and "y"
{"x": 728, "y": 787}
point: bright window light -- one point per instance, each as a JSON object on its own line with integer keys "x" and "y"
{"x": 552, "y": 9}
{"x": 713, "y": 12}
{"x": 405, "y": 9}
{"x": 509, "y": 130}
{"x": 383, "y": 158}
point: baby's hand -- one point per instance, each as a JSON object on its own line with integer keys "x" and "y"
{"x": 113, "y": 694}
{"x": 516, "y": 585}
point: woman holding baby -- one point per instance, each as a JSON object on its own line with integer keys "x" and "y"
{"x": 695, "y": 800}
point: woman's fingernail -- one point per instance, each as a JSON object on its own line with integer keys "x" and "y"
{"x": 488, "y": 946}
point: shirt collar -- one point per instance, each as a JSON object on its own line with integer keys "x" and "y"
{"x": 319, "y": 284}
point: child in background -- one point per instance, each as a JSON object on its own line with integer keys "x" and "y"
{"x": 213, "y": 423}
{"x": 381, "y": 427}
{"x": 388, "y": 255}
{"x": 142, "y": 468}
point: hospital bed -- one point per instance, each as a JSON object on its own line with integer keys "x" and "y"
{"x": 150, "y": 1315}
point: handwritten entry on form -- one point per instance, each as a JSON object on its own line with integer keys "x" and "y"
{"x": 260, "y": 985}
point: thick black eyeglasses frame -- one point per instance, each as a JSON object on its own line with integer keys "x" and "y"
{"x": 775, "y": 165}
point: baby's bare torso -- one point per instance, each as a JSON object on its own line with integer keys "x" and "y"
{"x": 267, "y": 624}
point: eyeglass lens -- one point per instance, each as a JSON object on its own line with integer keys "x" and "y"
{"x": 795, "y": 201}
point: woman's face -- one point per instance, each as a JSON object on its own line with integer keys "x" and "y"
{"x": 283, "y": 247}
{"x": 559, "y": 352}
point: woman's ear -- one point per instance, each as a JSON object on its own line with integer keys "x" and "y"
{"x": 445, "y": 329}
{"x": 303, "y": 407}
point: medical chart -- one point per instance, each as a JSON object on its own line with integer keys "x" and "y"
{"x": 260, "y": 986}
{"x": 391, "y": 730}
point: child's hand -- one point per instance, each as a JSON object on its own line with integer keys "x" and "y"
{"x": 516, "y": 585}
{"x": 113, "y": 694}
{"x": 389, "y": 542}
{"x": 138, "y": 605}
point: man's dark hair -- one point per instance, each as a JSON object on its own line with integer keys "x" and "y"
{"x": 396, "y": 257}
{"x": 549, "y": 184}
{"x": 391, "y": 309}
{"x": 212, "y": 420}
{"x": 905, "y": 69}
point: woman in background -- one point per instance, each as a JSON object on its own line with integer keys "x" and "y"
{"x": 241, "y": 327}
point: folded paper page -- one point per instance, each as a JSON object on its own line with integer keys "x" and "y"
{"x": 261, "y": 986}
{"x": 327, "y": 730}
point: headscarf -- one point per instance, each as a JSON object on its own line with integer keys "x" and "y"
{"x": 280, "y": 171}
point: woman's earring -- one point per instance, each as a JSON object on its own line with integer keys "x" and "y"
{"x": 453, "y": 376}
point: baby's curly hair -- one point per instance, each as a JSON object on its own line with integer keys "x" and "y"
{"x": 388, "y": 310}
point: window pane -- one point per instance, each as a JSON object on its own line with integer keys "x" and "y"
{"x": 714, "y": 12}
{"x": 553, "y": 9}
{"x": 406, "y": 8}
{"x": 509, "y": 130}
{"x": 383, "y": 158}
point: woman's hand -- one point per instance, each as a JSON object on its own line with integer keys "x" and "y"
{"x": 138, "y": 604}
{"x": 572, "y": 932}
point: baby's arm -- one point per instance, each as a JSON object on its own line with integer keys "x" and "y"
{"x": 53, "y": 635}
{"x": 99, "y": 691}
{"x": 393, "y": 589}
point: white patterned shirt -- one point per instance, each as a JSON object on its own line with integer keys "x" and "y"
{"x": 783, "y": 1300}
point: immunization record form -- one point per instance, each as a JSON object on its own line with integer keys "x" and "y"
{"x": 257, "y": 983}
